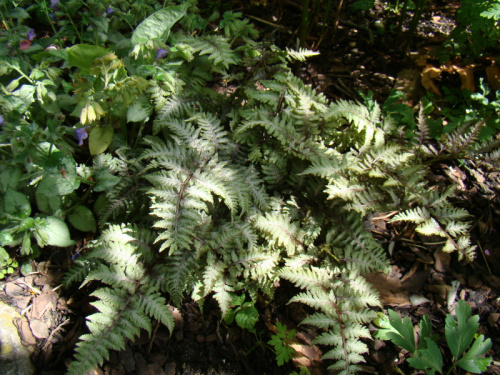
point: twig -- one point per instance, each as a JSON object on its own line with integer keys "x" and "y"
{"x": 47, "y": 342}
{"x": 268, "y": 23}
{"x": 484, "y": 256}
{"x": 153, "y": 336}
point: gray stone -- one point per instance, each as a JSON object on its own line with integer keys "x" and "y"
{"x": 14, "y": 357}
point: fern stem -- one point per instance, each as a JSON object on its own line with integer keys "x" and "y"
{"x": 179, "y": 199}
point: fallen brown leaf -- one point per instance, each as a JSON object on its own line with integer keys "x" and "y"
{"x": 24, "y": 331}
{"x": 428, "y": 75}
{"x": 39, "y": 329}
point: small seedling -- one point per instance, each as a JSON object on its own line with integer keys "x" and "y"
{"x": 281, "y": 343}
{"x": 245, "y": 313}
{"x": 460, "y": 332}
{"x": 7, "y": 264}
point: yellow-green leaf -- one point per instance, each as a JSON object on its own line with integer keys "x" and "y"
{"x": 99, "y": 139}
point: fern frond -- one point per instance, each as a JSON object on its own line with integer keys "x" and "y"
{"x": 79, "y": 271}
{"x": 343, "y": 309}
{"x": 358, "y": 116}
{"x": 128, "y": 304}
{"x": 216, "y": 47}
{"x": 155, "y": 306}
{"x": 180, "y": 266}
{"x": 222, "y": 293}
{"x": 120, "y": 199}
{"x": 417, "y": 215}
{"x": 213, "y": 272}
{"x": 463, "y": 138}
{"x": 301, "y": 55}
{"x": 493, "y": 12}
{"x": 280, "y": 229}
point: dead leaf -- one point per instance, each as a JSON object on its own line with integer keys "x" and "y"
{"x": 407, "y": 81}
{"x": 417, "y": 300}
{"x": 13, "y": 290}
{"x": 427, "y": 76}
{"x": 24, "y": 331}
{"x": 39, "y": 329}
{"x": 22, "y": 302}
{"x": 390, "y": 288}
{"x": 45, "y": 301}
{"x": 442, "y": 260}
{"x": 178, "y": 319}
{"x": 440, "y": 293}
{"x": 308, "y": 356}
{"x": 493, "y": 319}
{"x": 466, "y": 77}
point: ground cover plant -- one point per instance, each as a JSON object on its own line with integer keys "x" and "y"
{"x": 200, "y": 166}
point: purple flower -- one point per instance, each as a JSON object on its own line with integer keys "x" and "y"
{"x": 31, "y": 35}
{"x": 53, "y": 4}
{"x": 81, "y": 134}
{"x": 109, "y": 11}
{"x": 2, "y": 120}
{"x": 161, "y": 53}
{"x": 487, "y": 252}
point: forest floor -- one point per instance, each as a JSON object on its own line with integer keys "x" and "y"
{"x": 356, "y": 57}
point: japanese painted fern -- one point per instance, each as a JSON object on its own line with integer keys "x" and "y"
{"x": 251, "y": 184}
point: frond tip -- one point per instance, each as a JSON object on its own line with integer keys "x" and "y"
{"x": 127, "y": 305}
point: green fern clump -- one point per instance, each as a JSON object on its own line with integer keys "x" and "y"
{"x": 244, "y": 186}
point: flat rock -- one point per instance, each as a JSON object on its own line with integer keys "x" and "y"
{"x": 14, "y": 357}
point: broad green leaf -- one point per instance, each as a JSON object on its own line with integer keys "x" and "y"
{"x": 26, "y": 224}
{"x": 4, "y": 257}
{"x": 105, "y": 180}
{"x": 83, "y": 55}
{"x": 17, "y": 204}
{"x": 6, "y": 238}
{"x": 471, "y": 361}
{"x": 26, "y": 244}
{"x": 26, "y": 93}
{"x": 55, "y": 231}
{"x": 158, "y": 25}
{"x": 61, "y": 171}
{"x": 139, "y": 111}
{"x": 385, "y": 326}
{"x": 83, "y": 219}
{"x": 229, "y": 317}
{"x": 247, "y": 317}
{"x": 26, "y": 268}
{"x": 99, "y": 139}
{"x": 429, "y": 358}
{"x": 237, "y": 300}
{"x": 19, "y": 13}
{"x": 405, "y": 337}
{"x": 460, "y": 333}
{"x": 47, "y": 196}
{"x": 9, "y": 177}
